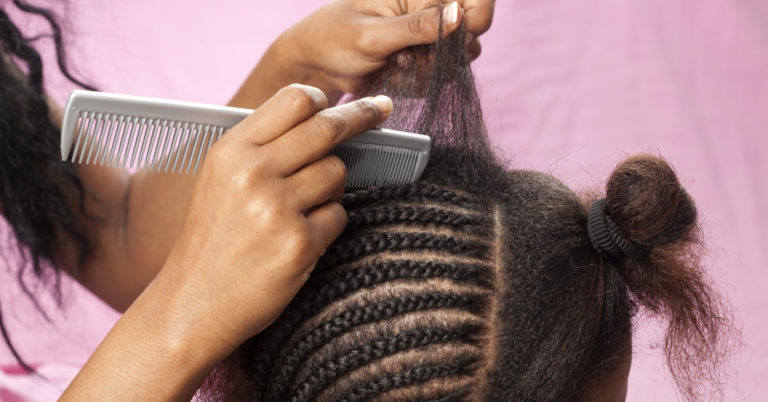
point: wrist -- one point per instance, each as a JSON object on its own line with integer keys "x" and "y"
{"x": 162, "y": 348}
{"x": 185, "y": 321}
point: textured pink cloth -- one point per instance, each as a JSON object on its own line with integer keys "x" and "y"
{"x": 569, "y": 87}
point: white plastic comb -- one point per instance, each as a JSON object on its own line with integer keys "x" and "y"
{"x": 173, "y": 136}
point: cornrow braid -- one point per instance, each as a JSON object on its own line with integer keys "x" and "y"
{"x": 364, "y": 263}
{"x": 416, "y": 375}
{"x": 348, "y": 319}
{"x": 455, "y": 395}
{"x": 407, "y": 193}
{"x": 329, "y": 370}
{"x": 320, "y": 292}
{"x": 354, "y": 248}
{"x": 402, "y": 214}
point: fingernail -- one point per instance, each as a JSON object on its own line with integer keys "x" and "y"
{"x": 451, "y": 13}
{"x": 384, "y": 103}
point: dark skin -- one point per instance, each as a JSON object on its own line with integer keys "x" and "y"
{"x": 613, "y": 386}
{"x": 169, "y": 247}
{"x": 192, "y": 314}
{"x": 144, "y": 213}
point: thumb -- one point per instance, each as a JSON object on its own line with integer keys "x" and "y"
{"x": 418, "y": 28}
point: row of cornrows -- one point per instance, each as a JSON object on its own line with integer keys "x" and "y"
{"x": 353, "y": 330}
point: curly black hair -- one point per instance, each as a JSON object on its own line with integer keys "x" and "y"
{"x": 41, "y": 198}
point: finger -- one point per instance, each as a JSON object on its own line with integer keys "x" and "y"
{"x": 474, "y": 49}
{"x": 390, "y": 34}
{"x": 315, "y": 137}
{"x": 317, "y": 183}
{"x": 286, "y": 109}
{"x": 478, "y": 15}
{"x": 326, "y": 224}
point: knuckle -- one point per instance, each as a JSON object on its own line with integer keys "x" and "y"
{"x": 338, "y": 216}
{"x": 260, "y": 165}
{"x": 336, "y": 169}
{"x": 415, "y": 25}
{"x": 367, "y": 40}
{"x": 270, "y": 214}
{"x": 220, "y": 155}
{"x": 297, "y": 98}
{"x": 424, "y": 26}
{"x": 299, "y": 243}
{"x": 368, "y": 109}
{"x": 340, "y": 213}
{"x": 330, "y": 123}
{"x": 239, "y": 178}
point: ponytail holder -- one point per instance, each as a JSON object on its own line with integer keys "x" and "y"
{"x": 607, "y": 239}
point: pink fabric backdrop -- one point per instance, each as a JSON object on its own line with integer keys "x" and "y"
{"x": 568, "y": 87}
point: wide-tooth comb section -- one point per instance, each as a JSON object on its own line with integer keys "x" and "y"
{"x": 191, "y": 139}
{"x": 110, "y": 138}
{"x": 200, "y": 148}
{"x": 153, "y": 132}
{"x": 119, "y": 138}
{"x": 97, "y": 127}
{"x": 81, "y": 127}
{"x": 126, "y": 148}
{"x": 162, "y": 133}
{"x": 142, "y": 143}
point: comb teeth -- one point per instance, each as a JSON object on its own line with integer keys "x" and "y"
{"x": 377, "y": 165}
{"x": 172, "y": 136}
{"x": 110, "y": 139}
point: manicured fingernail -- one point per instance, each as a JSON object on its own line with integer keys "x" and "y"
{"x": 384, "y": 103}
{"x": 451, "y": 13}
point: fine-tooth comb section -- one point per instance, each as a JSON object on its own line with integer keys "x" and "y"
{"x": 366, "y": 162}
{"x": 170, "y": 136}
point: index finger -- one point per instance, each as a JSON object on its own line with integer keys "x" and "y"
{"x": 286, "y": 109}
{"x": 478, "y": 15}
{"x": 386, "y": 35}
{"x": 315, "y": 137}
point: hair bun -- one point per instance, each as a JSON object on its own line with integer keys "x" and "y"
{"x": 646, "y": 200}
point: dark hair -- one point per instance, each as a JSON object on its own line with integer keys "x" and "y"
{"x": 40, "y": 197}
{"x": 479, "y": 283}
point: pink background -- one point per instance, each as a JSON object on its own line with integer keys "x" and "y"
{"x": 569, "y": 87}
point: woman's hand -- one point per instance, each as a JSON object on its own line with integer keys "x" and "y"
{"x": 264, "y": 209}
{"x": 345, "y": 40}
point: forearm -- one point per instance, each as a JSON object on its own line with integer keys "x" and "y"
{"x": 160, "y": 349}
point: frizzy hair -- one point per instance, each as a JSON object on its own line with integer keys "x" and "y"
{"x": 40, "y": 197}
{"x": 479, "y": 283}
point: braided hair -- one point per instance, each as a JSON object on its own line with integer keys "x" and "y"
{"x": 481, "y": 284}
{"x": 41, "y": 198}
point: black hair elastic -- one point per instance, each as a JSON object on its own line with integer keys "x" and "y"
{"x": 607, "y": 239}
